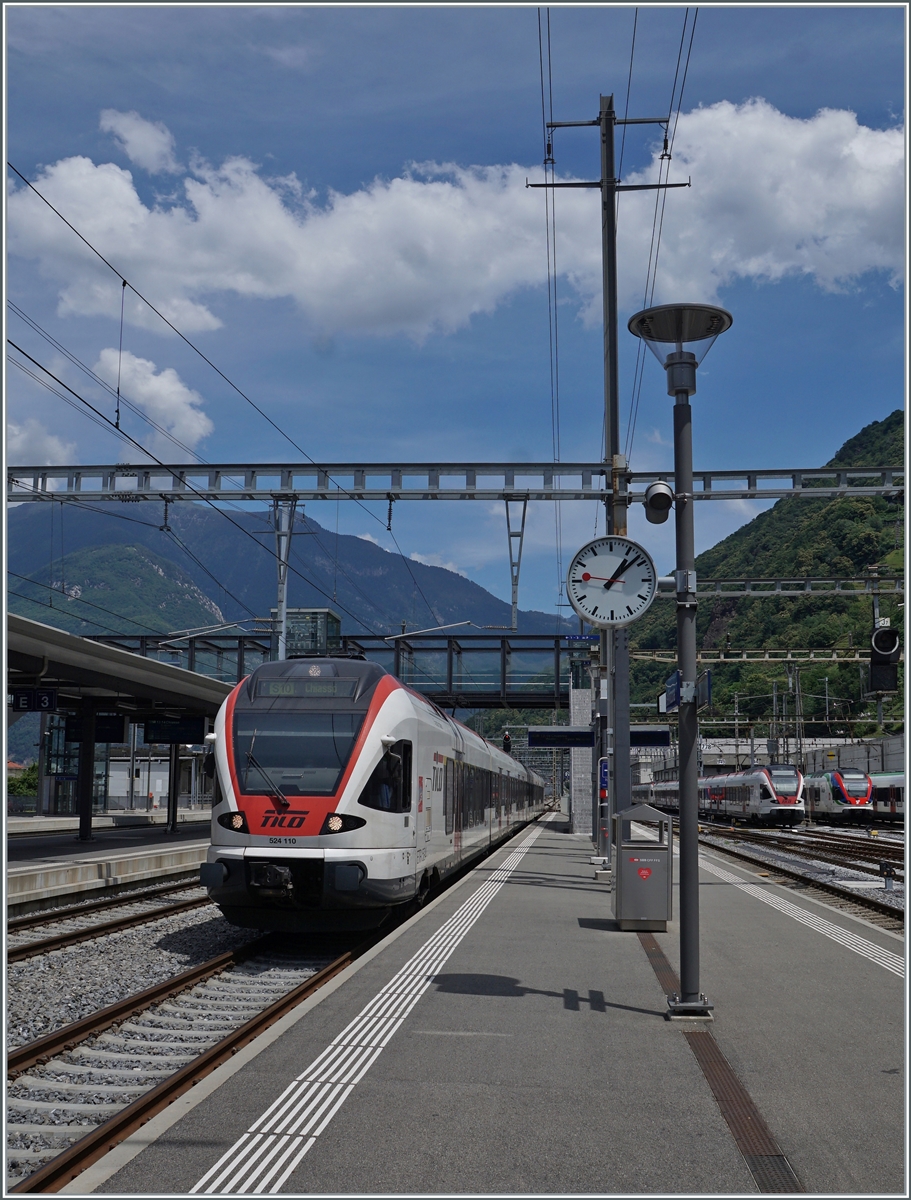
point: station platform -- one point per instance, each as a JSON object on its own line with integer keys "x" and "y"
{"x": 510, "y": 1039}
{"x": 38, "y": 826}
{"x": 46, "y": 868}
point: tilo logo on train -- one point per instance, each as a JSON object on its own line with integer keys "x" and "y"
{"x": 644, "y": 872}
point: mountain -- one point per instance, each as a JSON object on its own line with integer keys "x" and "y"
{"x": 127, "y": 588}
{"x": 799, "y": 537}
{"x": 229, "y": 560}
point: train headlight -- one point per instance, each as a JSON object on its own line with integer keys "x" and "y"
{"x": 235, "y": 821}
{"x": 341, "y": 823}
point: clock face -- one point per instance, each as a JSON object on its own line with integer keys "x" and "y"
{"x": 611, "y": 581}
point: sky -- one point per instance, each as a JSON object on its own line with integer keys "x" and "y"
{"x": 330, "y": 204}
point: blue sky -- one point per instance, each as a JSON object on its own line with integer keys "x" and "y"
{"x": 330, "y": 202}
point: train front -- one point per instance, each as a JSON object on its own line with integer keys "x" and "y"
{"x": 307, "y": 825}
{"x": 852, "y": 793}
{"x": 785, "y": 804}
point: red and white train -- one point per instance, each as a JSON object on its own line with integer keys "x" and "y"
{"x": 843, "y": 796}
{"x": 770, "y": 795}
{"x": 341, "y": 793}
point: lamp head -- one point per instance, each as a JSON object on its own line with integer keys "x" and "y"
{"x": 680, "y": 336}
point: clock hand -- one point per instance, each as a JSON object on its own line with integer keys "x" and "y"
{"x": 620, "y": 570}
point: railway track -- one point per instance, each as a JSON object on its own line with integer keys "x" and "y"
{"x": 79, "y": 909}
{"x": 856, "y": 853}
{"x": 888, "y": 916}
{"x": 82, "y": 925}
{"x": 79, "y": 1091}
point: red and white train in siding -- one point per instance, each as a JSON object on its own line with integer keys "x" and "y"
{"x": 341, "y": 793}
{"x": 770, "y": 795}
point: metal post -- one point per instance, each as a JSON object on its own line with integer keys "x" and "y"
{"x": 736, "y": 732}
{"x": 607, "y": 121}
{"x": 602, "y": 830}
{"x": 283, "y": 513}
{"x": 173, "y": 786}
{"x": 42, "y": 765}
{"x": 85, "y": 786}
{"x": 688, "y": 730}
{"x": 621, "y": 791}
{"x": 131, "y": 790}
{"x": 614, "y": 646}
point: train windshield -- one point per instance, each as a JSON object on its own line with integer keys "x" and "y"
{"x": 855, "y": 784}
{"x": 299, "y": 753}
{"x": 784, "y": 782}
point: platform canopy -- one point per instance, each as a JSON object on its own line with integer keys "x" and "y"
{"x": 40, "y": 656}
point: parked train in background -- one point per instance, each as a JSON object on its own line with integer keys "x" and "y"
{"x": 889, "y": 796}
{"x": 342, "y": 793}
{"x": 843, "y": 796}
{"x": 770, "y": 795}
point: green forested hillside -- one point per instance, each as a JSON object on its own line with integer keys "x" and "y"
{"x": 124, "y": 589}
{"x": 801, "y": 538}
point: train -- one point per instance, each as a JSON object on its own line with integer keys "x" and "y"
{"x": 889, "y": 796}
{"x": 842, "y": 796}
{"x": 770, "y": 795}
{"x": 340, "y": 794}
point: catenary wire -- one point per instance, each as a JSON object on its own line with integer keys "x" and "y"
{"x": 88, "y": 371}
{"x": 78, "y": 599}
{"x": 658, "y": 224}
{"x": 550, "y": 224}
{"x": 221, "y": 373}
{"x": 195, "y": 491}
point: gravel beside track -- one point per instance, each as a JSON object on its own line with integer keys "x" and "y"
{"x": 52, "y": 990}
{"x": 56, "y": 1103}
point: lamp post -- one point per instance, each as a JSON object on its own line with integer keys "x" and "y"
{"x": 680, "y": 336}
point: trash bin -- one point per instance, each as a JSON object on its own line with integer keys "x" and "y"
{"x": 643, "y": 869}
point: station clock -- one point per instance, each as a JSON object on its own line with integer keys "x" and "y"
{"x": 611, "y": 581}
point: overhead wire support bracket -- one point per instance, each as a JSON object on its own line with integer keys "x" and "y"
{"x": 515, "y": 537}
{"x": 616, "y": 187}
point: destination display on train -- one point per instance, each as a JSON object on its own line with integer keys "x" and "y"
{"x": 278, "y": 689}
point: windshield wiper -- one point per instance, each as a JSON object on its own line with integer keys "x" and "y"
{"x": 251, "y": 761}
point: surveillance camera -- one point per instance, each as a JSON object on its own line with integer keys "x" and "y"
{"x": 658, "y": 500}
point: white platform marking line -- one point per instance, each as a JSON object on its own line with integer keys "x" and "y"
{"x": 250, "y": 1156}
{"x": 277, "y": 1166}
{"x": 278, "y": 1144}
{"x": 347, "y": 1059}
{"x": 232, "y": 1153}
{"x": 884, "y": 958}
{"x": 291, "y": 1165}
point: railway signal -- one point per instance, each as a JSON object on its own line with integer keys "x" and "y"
{"x": 885, "y": 650}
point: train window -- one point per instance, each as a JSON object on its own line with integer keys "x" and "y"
{"x": 389, "y": 787}
{"x": 299, "y": 753}
{"x": 449, "y": 794}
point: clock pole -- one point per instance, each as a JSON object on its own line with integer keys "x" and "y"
{"x": 613, "y": 709}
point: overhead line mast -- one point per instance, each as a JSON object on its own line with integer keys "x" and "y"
{"x": 613, "y": 708}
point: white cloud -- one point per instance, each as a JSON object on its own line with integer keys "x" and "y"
{"x": 435, "y": 560}
{"x": 368, "y": 537}
{"x": 655, "y": 436}
{"x": 294, "y": 57}
{"x": 32, "y": 445}
{"x": 148, "y": 144}
{"x": 163, "y": 396}
{"x": 772, "y": 196}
